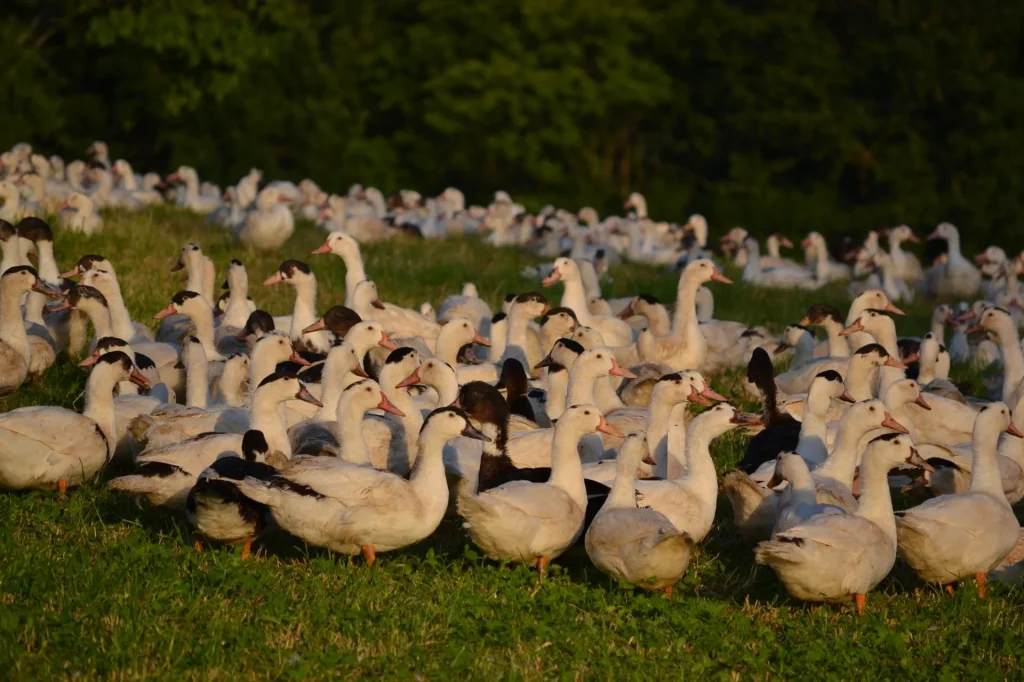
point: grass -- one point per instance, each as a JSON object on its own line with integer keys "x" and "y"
{"x": 97, "y": 586}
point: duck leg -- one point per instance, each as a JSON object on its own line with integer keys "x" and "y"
{"x": 369, "y": 554}
{"x": 542, "y": 565}
{"x": 246, "y": 548}
{"x": 949, "y": 589}
{"x": 979, "y": 580}
{"x": 62, "y": 487}
{"x": 861, "y": 600}
{"x": 197, "y": 545}
{"x": 668, "y": 592}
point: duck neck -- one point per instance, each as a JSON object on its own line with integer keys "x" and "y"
{"x": 842, "y": 463}
{"x": 515, "y": 337}
{"x": 261, "y": 365}
{"x": 700, "y": 468}
{"x": 499, "y": 336}
{"x": 875, "y": 504}
{"x": 11, "y": 254}
{"x": 860, "y": 383}
{"x": 926, "y": 372}
{"x": 658, "y": 321}
{"x": 349, "y": 430}
{"x": 658, "y": 419}
{"x": 802, "y": 489}
{"x": 99, "y": 406}
{"x": 686, "y": 328}
{"x": 581, "y": 385}
{"x": 197, "y": 382}
{"x": 447, "y": 387}
{"x": 566, "y": 470}
{"x": 48, "y": 271}
{"x": 267, "y": 416}
{"x": 120, "y": 318}
{"x": 354, "y": 274}
{"x": 12, "y": 326}
{"x": 237, "y": 312}
{"x": 446, "y": 346}
{"x": 202, "y": 321}
{"x": 623, "y": 492}
{"x": 557, "y": 389}
{"x": 1013, "y": 360}
{"x": 804, "y": 350}
{"x": 838, "y": 346}
{"x": 811, "y": 443}
{"x": 332, "y": 384}
{"x": 938, "y": 330}
{"x": 575, "y": 298}
{"x": 232, "y": 385}
{"x": 428, "y": 480}
{"x": 304, "y": 311}
{"x": 985, "y": 476}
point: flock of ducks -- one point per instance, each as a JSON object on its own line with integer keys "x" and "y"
{"x": 360, "y": 427}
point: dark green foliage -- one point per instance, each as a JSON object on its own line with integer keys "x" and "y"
{"x": 800, "y": 115}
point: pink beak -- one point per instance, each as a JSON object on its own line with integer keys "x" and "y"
{"x": 891, "y": 423}
{"x": 411, "y": 380}
{"x": 713, "y": 395}
{"x": 890, "y": 308}
{"x": 90, "y": 361}
{"x": 295, "y": 357}
{"x": 276, "y": 278}
{"x": 555, "y": 276}
{"x": 477, "y": 339}
{"x": 386, "y": 342}
{"x": 605, "y": 427}
{"x": 326, "y": 248}
{"x": 386, "y": 405}
{"x": 717, "y": 276}
{"x": 620, "y": 371}
{"x": 171, "y": 309}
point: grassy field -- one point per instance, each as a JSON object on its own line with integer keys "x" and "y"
{"x": 96, "y": 586}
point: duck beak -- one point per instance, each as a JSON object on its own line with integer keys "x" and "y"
{"x": 171, "y": 309}
{"x": 913, "y": 238}
{"x": 479, "y": 340}
{"x": 784, "y": 241}
{"x": 555, "y": 276}
{"x": 178, "y": 265}
{"x": 891, "y": 423}
{"x": 890, "y": 308}
{"x": 476, "y": 434}
{"x": 410, "y": 380}
{"x": 41, "y": 287}
{"x": 73, "y": 272}
{"x": 377, "y": 304}
{"x": 273, "y": 279}
{"x": 969, "y": 315}
{"x": 90, "y": 360}
{"x": 241, "y": 335}
{"x": 922, "y": 402}
{"x": 913, "y": 357}
{"x": 387, "y": 406}
{"x": 136, "y": 378}
{"x": 315, "y": 327}
{"x": 974, "y": 329}
{"x": 846, "y": 397}
{"x": 326, "y": 248}
{"x": 295, "y": 357}
{"x": 696, "y": 397}
{"x": 935, "y": 235}
{"x": 893, "y": 362}
{"x": 605, "y": 427}
{"x": 620, "y": 371}
{"x": 781, "y": 348}
{"x": 1014, "y": 431}
{"x": 857, "y": 326}
{"x": 775, "y": 481}
{"x": 386, "y": 342}
{"x": 65, "y": 304}
{"x": 717, "y": 276}
{"x": 805, "y": 321}
{"x": 917, "y": 460}
{"x": 744, "y": 420}
{"x": 360, "y": 372}
{"x": 712, "y": 394}
{"x": 627, "y": 312}
{"x": 305, "y": 396}
{"x": 546, "y": 362}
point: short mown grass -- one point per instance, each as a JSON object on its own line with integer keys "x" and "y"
{"x": 97, "y": 586}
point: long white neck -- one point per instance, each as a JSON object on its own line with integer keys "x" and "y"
{"x": 842, "y": 463}
{"x": 1013, "y": 360}
{"x": 875, "y": 504}
{"x": 659, "y": 417}
{"x": 938, "y": 330}
{"x": 954, "y": 246}
{"x": 11, "y": 254}
{"x": 232, "y": 384}
{"x": 332, "y": 383}
{"x": 929, "y": 358}
{"x": 120, "y": 318}
{"x": 802, "y": 489}
{"x": 860, "y": 381}
{"x": 566, "y": 469}
{"x": 575, "y": 298}
{"x": 623, "y": 493}
{"x": 202, "y": 321}
{"x": 412, "y": 422}
{"x": 195, "y": 275}
{"x": 266, "y": 415}
{"x": 99, "y": 405}
{"x": 687, "y": 328}
{"x": 499, "y": 334}
{"x": 515, "y": 337}
{"x": 304, "y": 312}
{"x": 447, "y": 386}
{"x": 12, "y": 326}
{"x": 354, "y": 274}
{"x": 887, "y": 376}
{"x": 985, "y": 476}
{"x": 804, "y": 351}
{"x": 349, "y": 430}
{"x": 262, "y": 364}
{"x": 429, "y": 482}
{"x": 237, "y": 313}
{"x": 811, "y": 443}
{"x": 582, "y": 380}
{"x": 700, "y": 474}
{"x": 100, "y": 317}
{"x": 838, "y": 346}
{"x": 48, "y": 271}
{"x": 557, "y": 389}
{"x": 197, "y": 381}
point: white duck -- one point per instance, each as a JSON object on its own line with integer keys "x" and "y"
{"x": 356, "y": 510}
{"x": 999, "y": 322}
{"x": 639, "y": 545}
{"x": 833, "y": 557}
{"x": 398, "y": 322}
{"x": 952, "y": 537}
{"x": 15, "y": 348}
{"x": 191, "y": 198}
{"x": 301, "y": 278}
{"x": 268, "y": 224}
{"x": 800, "y": 502}
{"x": 48, "y": 447}
{"x": 536, "y": 522}
{"x": 101, "y": 276}
{"x": 78, "y": 214}
{"x": 957, "y": 276}
{"x": 346, "y": 248}
{"x": 907, "y": 266}
{"x": 616, "y": 332}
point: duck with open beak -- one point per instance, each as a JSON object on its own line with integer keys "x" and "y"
{"x": 705, "y": 396}
{"x": 555, "y": 276}
{"x": 41, "y": 287}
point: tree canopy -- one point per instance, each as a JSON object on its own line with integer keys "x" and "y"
{"x": 793, "y": 115}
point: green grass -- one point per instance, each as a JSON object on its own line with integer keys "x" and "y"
{"x": 96, "y": 586}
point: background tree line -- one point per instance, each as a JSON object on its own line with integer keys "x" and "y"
{"x": 798, "y": 114}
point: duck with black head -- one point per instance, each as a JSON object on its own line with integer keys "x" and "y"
{"x": 781, "y": 431}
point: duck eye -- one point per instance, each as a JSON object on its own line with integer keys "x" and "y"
{"x": 587, "y": 412}
{"x": 600, "y": 357}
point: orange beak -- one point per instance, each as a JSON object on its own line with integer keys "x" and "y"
{"x": 387, "y": 406}
{"x": 857, "y": 326}
{"x": 891, "y": 423}
{"x": 326, "y": 248}
{"x": 411, "y": 380}
{"x": 717, "y": 276}
{"x": 171, "y": 309}
{"x": 386, "y": 342}
{"x": 315, "y": 327}
{"x": 295, "y": 357}
{"x": 276, "y": 278}
{"x": 620, "y": 371}
{"x": 605, "y": 427}
{"x": 477, "y": 339}
{"x": 555, "y": 276}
